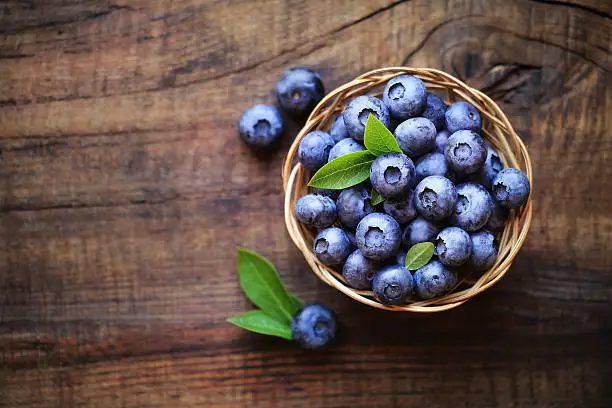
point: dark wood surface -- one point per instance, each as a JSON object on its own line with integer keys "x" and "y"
{"x": 125, "y": 191}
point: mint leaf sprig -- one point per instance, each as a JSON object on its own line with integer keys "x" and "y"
{"x": 262, "y": 285}
{"x": 378, "y": 139}
{"x": 377, "y": 198}
{"x": 351, "y": 169}
{"x": 259, "y": 322}
{"x": 419, "y": 255}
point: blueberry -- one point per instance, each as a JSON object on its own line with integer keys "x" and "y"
{"x": 299, "y": 90}
{"x": 498, "y": 217}
{"x": 453, "y": 246}
{"x": 314, "y": 149}
{"x": 354, "y": 204}
{"x": 484, "y": 250}
{"x": 392, "y": 284}
{"x": 473, "y": 208}
{"x": 510, "y": 188}
{"x": 402, "y": 208}
{"x": 432, "y": 164}
{"x": 405, "y": 96}
{"x": 260, "y": 126}
{"x": 333, "y": 194}
{"x": 378, "y": 236}
{"x": 391, "y": 174}
{"x": 416, "y": 136}
{"x": 332, "y": 246}
{"x": 462, "y": 116}
{"x": 314, "y": 326}
{"x": 466, "y": 152}
{"x": 338, "y": 130}
{"x": 491, "y": 167}
{"x": 357, "y": 113}
{"x": 433, "y": 280}
{"x": 435, "y": 197}
{"x": 343, "y": 147}
{"x": 419, "y": 230}
{"x": 435, "y": 108}
{"x": 316, "y": 210}
{"x": 442, "y": 140}
{"x": 352, "y": 239}
{"x": 400, "y": 257}
{"x": 358, "y": 271}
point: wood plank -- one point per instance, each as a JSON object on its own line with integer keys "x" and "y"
{"x": 124, "y": 192}
{"x": 388, "y": 376}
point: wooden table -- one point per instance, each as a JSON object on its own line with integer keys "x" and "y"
{"x": 125, "y": 191}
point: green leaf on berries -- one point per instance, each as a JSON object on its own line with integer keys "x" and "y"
{"x": 259, "y": 322}
{"x": 418, "y": 255}
{"x": 345, "y": 171}
{"x": 262, "y": 285}
{"x": 377, "y": 198}
{"x": 297, "y": 303}
{"x": 378, "y": 139}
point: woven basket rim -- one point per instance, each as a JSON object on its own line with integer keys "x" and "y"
{"x": 497, "y": 130}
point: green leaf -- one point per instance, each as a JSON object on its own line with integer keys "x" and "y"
{"x": 418, "y": 255}
{"x": 297, "y": 303}
{"x": 378, "y": 139}
{"x": 377, "y": 198}
{"x": 259, "y": 322}
{"x": 263, "y": 286}
{"x": 343, "y": 172}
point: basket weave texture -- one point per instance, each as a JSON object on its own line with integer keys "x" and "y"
{"x": 496, "y": 129}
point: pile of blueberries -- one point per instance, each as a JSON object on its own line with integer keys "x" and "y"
{"x": 298, "y": 91}
{"x": 448, "y": 187}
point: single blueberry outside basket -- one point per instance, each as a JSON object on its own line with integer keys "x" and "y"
{"x": 496, "y": 129}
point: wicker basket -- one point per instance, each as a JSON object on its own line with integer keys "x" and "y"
{"x": 496, "y": 129}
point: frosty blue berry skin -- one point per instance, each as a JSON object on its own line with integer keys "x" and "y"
{"x": 314, "y": 149}
{"x": 441, "y": 140}
{"x": 453, "y": 246}
{"x": 352, "y": 239}
{"x": 419, "y": 230}
{"x": 338, "y": 130}
{"x": 261, "y": 126}
{"x": 433, "y": 280}
{"x": 379, "y": 236}
{"x": 405, "y": 96}
{"x": 332, "y": 246}
{"x": 391, "y": 174}
{"x": 462, "y": 116}
{"x": 473, "y": 207}
{"x": 484, "y": 250}
{"x": 344, "y": 146}
{"x": 353, "y": 204}
{"x": 435, "y": 197}
{"x": 401, "y": 208}
{"x": 314, "y": 326}
{"x": 299, "y": 90}
{"x": 416, "y": 136}
{"x": 400, "y": 257}
{"x": 357, "y": 113}
{"x": 316, "y": 211}
{"x": 358, "y": 270}
{"x": 490, "y": 168}
{"x": 466, "y": 152}
{"x": 435, "y": 110}
{"x": 498, "y": 218}
{"x": 392, "y": 284}
{"x": 510, "y": 188}
{"x": 431, "y": 164}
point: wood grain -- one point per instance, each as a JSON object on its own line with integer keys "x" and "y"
{"x": 124, "y": 192}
